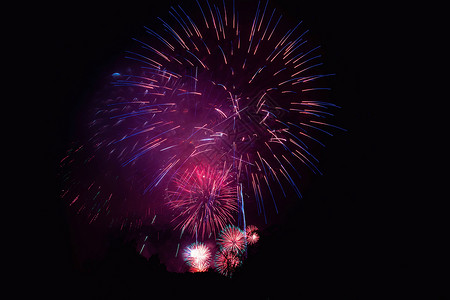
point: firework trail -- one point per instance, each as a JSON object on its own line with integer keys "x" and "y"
{"x": 198, "y": 257}
{"x": 212, "y": 109}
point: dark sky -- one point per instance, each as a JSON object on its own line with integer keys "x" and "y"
{"x": 338, "y": 240}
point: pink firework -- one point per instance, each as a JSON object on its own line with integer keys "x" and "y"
{"x": 252, "y": 235}
{"x": 204, "y": 199}
{"x": 215, "y": 107}
{"x": 226, "y": 262}
{"x": 198, "y": 257}
{"x": 232, "y": 239}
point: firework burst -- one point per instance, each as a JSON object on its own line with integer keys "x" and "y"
{"x": 232, "y": 239}
{"x": 211, "y": 89}
{"x": 251, "y": 234}
{"x": 204, "y": 199}
{"x": 216, "y": 89}
{"x": 211, "y": 110}
{"x": 198, "y": 257}
{"x": 226, "y": 262}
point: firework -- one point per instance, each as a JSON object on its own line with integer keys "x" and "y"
{"x": 210, "y": 87}
{"x": 226, "y": 262}
{"x": 219, "y": 89}
{"x": 204, "y": 199}
{"x": 198, "y": 257}
{"x": 209, "y": 107}
{"x": 232, "y": 239}
{"x": 251, "y": 234}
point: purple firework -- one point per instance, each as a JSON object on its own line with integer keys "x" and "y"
{"x": 232, "y": 239}
{"x": 209, "y": 93}
{"x": 204, "y": 199}
{"x": 215, "y": 89}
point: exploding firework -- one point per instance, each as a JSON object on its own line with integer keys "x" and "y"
{"x": 204, "y": 199}
{"x": 226, "y": 262}
{"x": 211, "y": 110}
{"x": 252, "y": 235}
{"x": 216, "y": 89}
{"x": 232, "y": 239}
{"x": 198, "y": 257}
{"x": 209, "y": 89}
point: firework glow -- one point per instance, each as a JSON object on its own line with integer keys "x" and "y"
{"x": 198, "y": 257}
{"x": 211, "y": 116}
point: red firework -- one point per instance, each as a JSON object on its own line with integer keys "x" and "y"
{"x": 252, "y": 235}
{"x": 204, "y": 199}
{"x": 232, "y": 239}
{"x": 198, "y": 257}
{"x": 226, "y": 262}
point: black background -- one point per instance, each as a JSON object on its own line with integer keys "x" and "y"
{"x": 348, "y": 237}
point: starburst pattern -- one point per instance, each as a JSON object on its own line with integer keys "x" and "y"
{"x": 203, "y": 199}
{"x": 251, "y": 234}
{"x": 216, "y": 111}
{"x": 232, "y": 239}
{"x": 198, "y": 257}
{"x": 226, "y": 262}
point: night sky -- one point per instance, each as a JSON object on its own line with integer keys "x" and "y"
{"x": 338, "y": 240}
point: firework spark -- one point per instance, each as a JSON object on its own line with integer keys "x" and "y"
{"x": 198, "y": 257}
